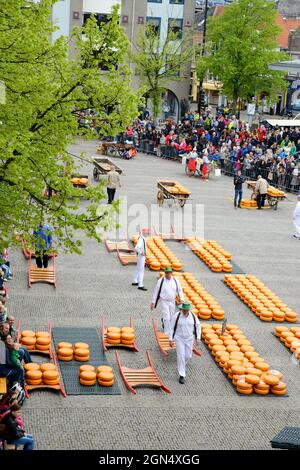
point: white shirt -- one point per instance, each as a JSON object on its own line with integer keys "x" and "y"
{"x": 185, "y": 327}
{"x": 169, "y": 290}
{"x": 140, "y": 247}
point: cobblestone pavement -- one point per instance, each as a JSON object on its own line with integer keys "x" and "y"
{"x": 206, "y": 413}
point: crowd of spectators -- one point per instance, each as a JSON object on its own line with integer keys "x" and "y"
{"x": 221, "y": 137}
{"x": 12, "y": 357}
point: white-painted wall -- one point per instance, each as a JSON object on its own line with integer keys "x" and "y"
{"x": 61, "y": 18}
{"x": 99, "y": 6}
{"x": 164, "y": 10}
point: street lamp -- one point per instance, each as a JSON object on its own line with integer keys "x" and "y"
{"x": 200, "y": 94}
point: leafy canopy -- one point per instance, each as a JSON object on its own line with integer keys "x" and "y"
{"x": 45, "y": 94}
{"x": 241, "y": 43}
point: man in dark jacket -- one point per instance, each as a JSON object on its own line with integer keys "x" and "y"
{"x": 238, "y": 189}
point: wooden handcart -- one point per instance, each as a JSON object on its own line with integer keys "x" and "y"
{"x": 107, "y": 345}
{"x": 165, "y": 191}
{"x": 36, "y": 274}
{"x": 272, "y": 199}
{"x": 47, "y": 352}
{"x": 102, "y": 166}
{"x": 114, "y": 149}
{"x": 164, "y": 342}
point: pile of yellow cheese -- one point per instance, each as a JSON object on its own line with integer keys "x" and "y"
{"x": 104, "y": 374}
{"x": 262, "y": 301}
{"x": 247, "y": 370}
{"x": 205, "y": 305}
{"x": 124, "y": 335}
{"x": 41, "y": 374}
{"x": 178, "y": 189}
{"x": 248, "y": 203}
{"x": 275, "y": 192}
{"x": 39, "y": 340}
{"x": 158, "y": 255}
{"x": 80, "y": 181}
{"x": 66, "y": 352}
{"x": 290, "y": 338}
{"x": 213, "y": 254}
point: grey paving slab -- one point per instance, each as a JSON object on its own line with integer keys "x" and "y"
{"x": 205, "y": 413}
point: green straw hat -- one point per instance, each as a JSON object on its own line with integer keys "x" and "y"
{"x": 185, "y": 306}
{"x": 168, "y": 269}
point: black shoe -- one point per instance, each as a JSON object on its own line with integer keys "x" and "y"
{"x": 135, "y": 284}
{"x": 181, "y": 380}
{"x": 142, "y": 288}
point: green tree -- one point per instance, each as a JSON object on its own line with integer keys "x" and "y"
{"x": 45, "y": 94}
{"x": 159, "y": 62}
{"x": 241, "y": 43}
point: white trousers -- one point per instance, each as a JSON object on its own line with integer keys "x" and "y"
{"x": 297, "y": 228}
{"x": 184, "y": 350}
{"x": 167, "y": 310}
{"x": 140, "y": 269}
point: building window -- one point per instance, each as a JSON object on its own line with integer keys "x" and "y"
{"x": 177, "y": 2}
{"x": 175, "y": 26}
{"x": 154, "y": 1}
{"x": 154, "y": 24}
{"x": 100, "y": 17}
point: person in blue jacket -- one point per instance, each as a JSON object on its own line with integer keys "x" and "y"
{"x": 43, "y": 243}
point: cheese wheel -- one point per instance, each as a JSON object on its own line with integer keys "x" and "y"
{"x": 231, "y": 348}
{"x": 33, "y": 374}
{"x": 114, "y": 341}
{"x": 127, "y": 336}
{"x": 246, "y": 348}
{"x": 65, "y": 352}
{"x": 87, "y": 383}
{"x": 30, "y": 348}
{"x": 238, "y": 370}
{"x": 114, "y": 329}
{"x": 271, "y": 379}
{"x": 41, "y": 347}
{"x": 254, "y": 371}
{"x": 262, "y": 366}
{"x": 277, "y": 373}
{"x": 260, "y": 391}
{"x": 86, "y": 367}
{"x": 81, "y": 352}
{"x": 31, "y": 366}
{"x": 127, "y": 329}
{"x": 81, "y": 346}
{"x": 252, "y": 379}
{"x": 51, "y": 382}
{"x": 65, "y": 358}
{"x": 243, "y": 385}
{"x": 42, "y": 334}
{"x": 28, "y": 340}
{"x": 245, "y": 391}
{"x": 237, "y": 355}
{"x": 28, "y": 333}
{"x": 88, "y": 375}
{"x": 34, "y": 382}
{"x": 114, "y": 336}
{"x": 64, "y": 345}
{"x": 279, "y": 392}
{"x": 48, "y": 366}
{"x": 279, "y": 386}
{"x": 106, "y": 384}
{"x": 280, "y": 329}
{"x": 105, "y": 376}
{"x": 50, "y": 375}
{"x": 81, "y": 358}
{"x": 104, "y": 368}
{"x": 127, "y": 343}
{"x": 262, "y": 386}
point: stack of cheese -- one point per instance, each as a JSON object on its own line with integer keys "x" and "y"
{"x": 117, "y": 336}
{"x": 104, "y": 374}
{"x": 248, "y": 203}
{"x": 205, "y": 305}
{"x": 80, "y": 181}
{"x": 178, "y": 188}
{"x": 247, "y": 370}
{"x": 290, "y": 338}
{"x": 158, "y": 255}
{"x": 41, "y": 374}
{"x": 213, "y": 254}
{"x": 262, "y": 301}
{"x": 36, "y": 341}
{"x": 80, "y": 353}
{"x": 275, "y": 192}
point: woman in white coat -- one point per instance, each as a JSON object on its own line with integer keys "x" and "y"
{"x": 183, "y": 327}
{"x": 296, "y": 218}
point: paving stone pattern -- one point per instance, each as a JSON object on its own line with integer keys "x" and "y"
{"x": 206, "y": 412}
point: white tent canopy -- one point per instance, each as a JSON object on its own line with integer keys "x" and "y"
{"x": 284, "y": 122}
